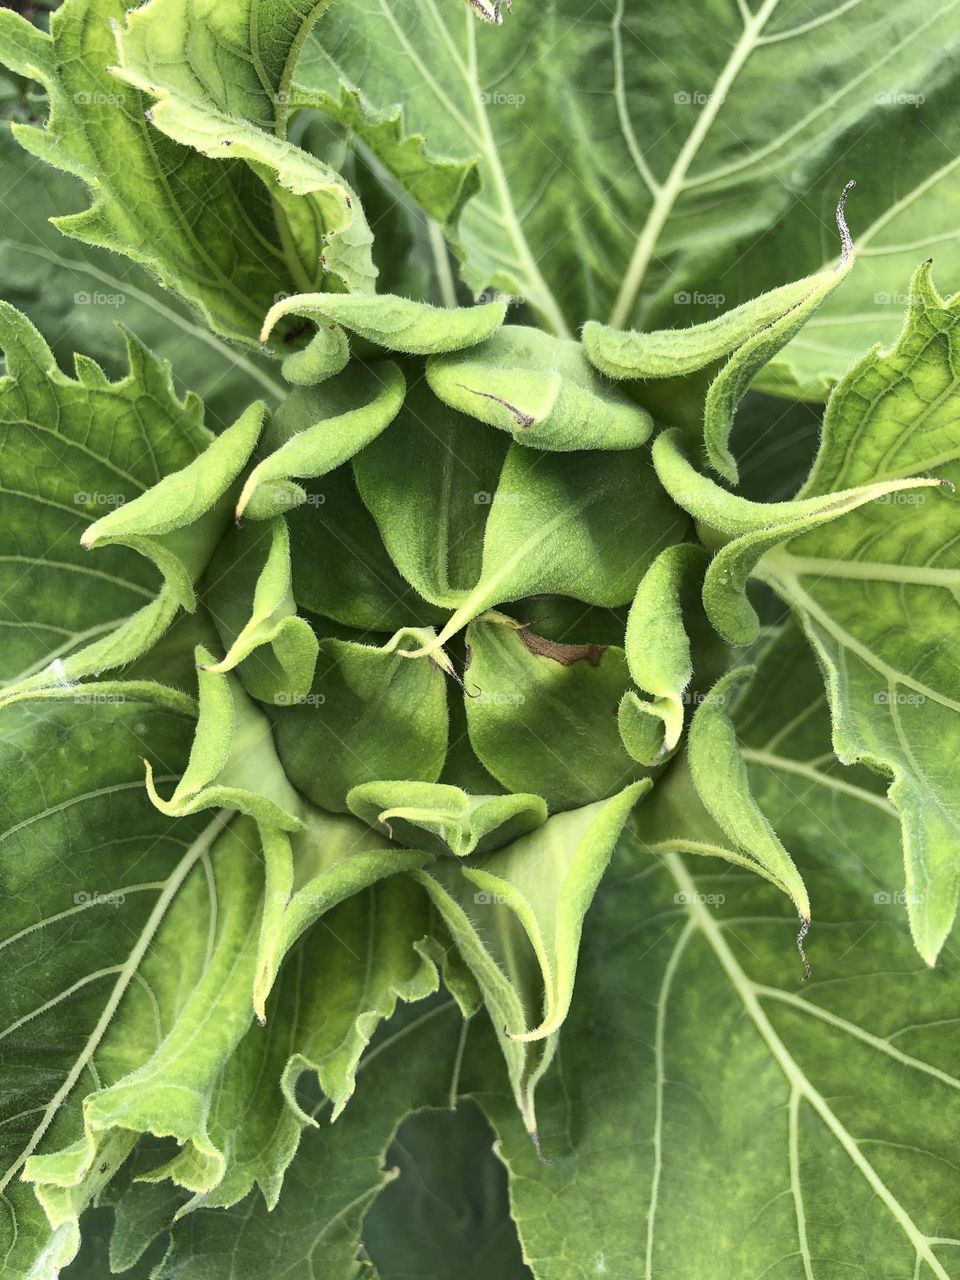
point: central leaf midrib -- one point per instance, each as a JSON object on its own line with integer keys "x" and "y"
{"x": 670, "y": 190}
{"x": 547, "y": 304}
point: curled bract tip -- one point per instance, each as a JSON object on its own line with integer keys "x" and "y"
{"x": 535, "y": 1139}
{"x": 804, "y": 930}
{"x": 846, "y": 240}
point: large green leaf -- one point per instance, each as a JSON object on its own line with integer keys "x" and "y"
{"x": 165, "y": 204}
{"x": 318, "y": 892}
{"x": 72, "y": 450}
{"x": 876, "y": 592}
{"x": 94, "y": 1259}
{"x": 809, "y": 1126}
{"x": 75, "y": 293}
{"x": 135, "y": 964}
{"x": 356, "y": 66}
{"x": 627, "y": 173}
{"x": 221, "y": 88}
{"x": 338, "y": 1171}
{"x": 447, "y": 1212}
{"x": 439, "y": 187}
{"x": 140, "y": 1024}
{"x": 897, "y": 217}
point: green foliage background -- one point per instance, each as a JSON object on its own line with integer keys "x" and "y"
{"x": 489, "y": 598}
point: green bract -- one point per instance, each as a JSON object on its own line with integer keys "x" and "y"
{"x": 512, "y": 696}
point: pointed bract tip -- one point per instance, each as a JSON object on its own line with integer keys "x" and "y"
{"x": 929, "y": 954}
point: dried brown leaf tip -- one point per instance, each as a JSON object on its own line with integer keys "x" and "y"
{"x": 565, "y": 654}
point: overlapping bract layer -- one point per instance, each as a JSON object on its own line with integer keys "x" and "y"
{"x": 373, "y": 644}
